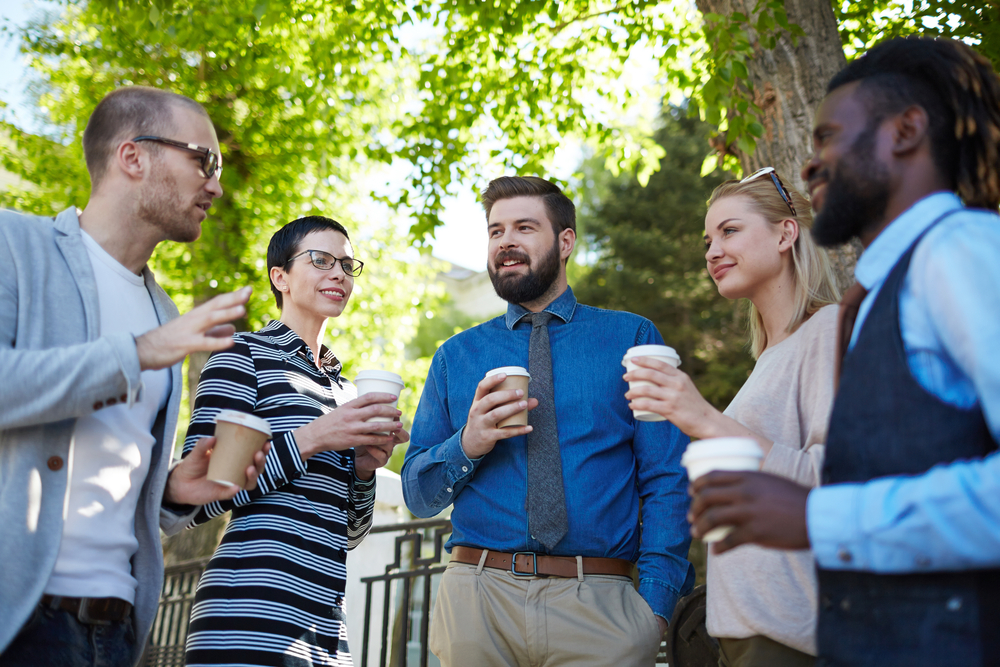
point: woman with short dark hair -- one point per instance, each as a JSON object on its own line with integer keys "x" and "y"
{"x": 273, "y": 593}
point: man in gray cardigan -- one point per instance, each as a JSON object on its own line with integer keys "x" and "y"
{"x": 90, "y": 352}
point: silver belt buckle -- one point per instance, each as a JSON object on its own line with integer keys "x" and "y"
{"x": 83, "y": 614}
{"x": 534, "y": 564}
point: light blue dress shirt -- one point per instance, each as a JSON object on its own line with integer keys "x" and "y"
{"x": 949, "y": 309}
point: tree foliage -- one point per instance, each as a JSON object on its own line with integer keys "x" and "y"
{"x": 648, "y": 257}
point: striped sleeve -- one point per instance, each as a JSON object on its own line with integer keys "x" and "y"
{"x": 360, "y": 508}
{"x": 229, "y": 382}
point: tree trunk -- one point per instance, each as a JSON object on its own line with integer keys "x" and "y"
{"x": 789, "y": 82}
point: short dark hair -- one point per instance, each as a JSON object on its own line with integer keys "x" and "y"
{"x": 286, "y": 241}
{"x": 960, "y": 92}
{"x": 558, "y": 206}
{"x": 126, "y": 113}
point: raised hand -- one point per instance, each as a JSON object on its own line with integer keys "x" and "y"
{"x": 488, "y": 409}
{"x": 203, "y": 329}
{"x": 347, "y": 427}
{"x": 672, "y": 396}
{"x": 188, "y": 482}
{"x": 763, "y": 509}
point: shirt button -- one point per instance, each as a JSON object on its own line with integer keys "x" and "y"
{"x": 98, "y": 405}
{"x": 844, "y": 556}
{"x": 923, "y": 561}
{"x": 55, "y": 463}
{"x": 448, "y": 489}
{"x": 465, "y": 468}
{"x": 845, "y": 604}
{"x": 954, "y": 604}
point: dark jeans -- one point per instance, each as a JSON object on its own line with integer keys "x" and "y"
{"x": 760, "y": 651}
{"x": 55, "y": 637}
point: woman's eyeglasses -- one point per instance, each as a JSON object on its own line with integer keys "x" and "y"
{"x": 324, "y": 261}
{"x": 209, "y": 158}
{"x": 782, "y": 190}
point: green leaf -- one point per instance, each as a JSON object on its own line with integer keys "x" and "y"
{"x": 756, "y": 129}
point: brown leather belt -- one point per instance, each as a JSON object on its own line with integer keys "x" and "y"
{"x": 92, "y": 611}
{"x": 528, "y": 564}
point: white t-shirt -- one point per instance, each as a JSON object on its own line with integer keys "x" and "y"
{"x": 109, "y": 454}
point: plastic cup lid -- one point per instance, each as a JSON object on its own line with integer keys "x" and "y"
{"x": 651, "y": 351}
{"x": 244, "y": 419}
{"x": 385, "y": 376}
{"x": 509, "y": 370}
{"x": 712, "y": 448}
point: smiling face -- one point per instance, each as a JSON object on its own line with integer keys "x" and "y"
{"x": 308, "y": 291}
{"x": 526, "y": 257}
{"x": 744, "y": 252}
{"x": 175, "y": 195}
{"x": 847, "y": 175}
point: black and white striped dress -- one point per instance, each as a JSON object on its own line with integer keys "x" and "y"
{"x": 273, "y": 593}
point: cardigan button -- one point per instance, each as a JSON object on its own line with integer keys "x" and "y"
{"x": 55, "y": 463}
{"x": 111, "y": 401}
{"x": 123, "y": 398}
{"x": 98, "y": 405}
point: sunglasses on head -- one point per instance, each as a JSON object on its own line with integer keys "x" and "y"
{"x": 782, "y": 190}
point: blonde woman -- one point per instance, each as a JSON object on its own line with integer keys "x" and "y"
{"x": 762, "y": 602}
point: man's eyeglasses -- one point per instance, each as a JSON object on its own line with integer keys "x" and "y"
{"x": 782, "y": 190}
{"x": 324, "y": 261}
{"x": 209, "y": 158}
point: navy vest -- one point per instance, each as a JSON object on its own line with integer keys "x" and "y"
{"x": 885, "y": 423}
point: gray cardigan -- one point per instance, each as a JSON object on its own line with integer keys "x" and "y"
{"x": 54, "y": 368}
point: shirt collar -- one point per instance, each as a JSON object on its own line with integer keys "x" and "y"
{"x": 884, "y": 252}
{"x": 289, "y": 342}
{"x": 563, "y": 308}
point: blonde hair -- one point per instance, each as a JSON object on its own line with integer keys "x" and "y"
{"x": 815, "y": 282}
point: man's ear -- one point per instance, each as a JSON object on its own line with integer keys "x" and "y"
{"x": 567, "y": 241}
{"x": 132, "y": 161}
{"x": 909, "y": 130}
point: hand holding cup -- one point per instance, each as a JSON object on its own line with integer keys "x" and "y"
{"x": 490, "y": 407}
{"x": 347, "y": 426}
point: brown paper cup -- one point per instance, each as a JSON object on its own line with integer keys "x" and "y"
{"x": 238, "y": 437}
{"x": 517, "y": 378}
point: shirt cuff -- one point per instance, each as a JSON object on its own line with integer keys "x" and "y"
{"x": 835, "y": 532}
{"x": 459, "y": 465}
{"x": 661, "y": 598}
{"x": 364, "y": 486}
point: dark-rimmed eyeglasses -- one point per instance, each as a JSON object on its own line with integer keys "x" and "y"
{"x": 782, "y": 190}
{"x": 209, "y": 158}
{"x": 324, "y": 261}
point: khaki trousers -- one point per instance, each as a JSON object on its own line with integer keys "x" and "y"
{"x": 491, "y": 618}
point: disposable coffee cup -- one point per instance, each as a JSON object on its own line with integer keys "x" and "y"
{"x": 238, "y": 436}
{"x": 517, "y": 378}
{"x": 379, "y": 382}
{"x": 659, "y": 352}
{"x": 704, "y": 456}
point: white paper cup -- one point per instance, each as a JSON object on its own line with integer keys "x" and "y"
{"x": 517, "y": 378}
{"x": 704, "y": 456}
{"x": 383, "y": 382}
{"x": 660, "y": 353}
{"x": 238, "y": 437}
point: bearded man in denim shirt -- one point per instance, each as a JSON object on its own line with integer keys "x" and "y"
{"x": 542, "y": 550}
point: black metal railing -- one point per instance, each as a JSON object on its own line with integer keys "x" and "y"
{"x": 166, "y": 641}
{"x": 411, "y": 562}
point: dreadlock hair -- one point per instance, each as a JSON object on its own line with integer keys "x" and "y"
{"x": 960, "y": 92}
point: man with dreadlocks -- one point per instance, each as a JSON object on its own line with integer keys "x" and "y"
{"x": 908, "y": 566}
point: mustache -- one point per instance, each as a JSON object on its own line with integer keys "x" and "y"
{"x": 515, "y": 255}
{"x": 822, "y": 175}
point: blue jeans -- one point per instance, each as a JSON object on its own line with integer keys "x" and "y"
{"x": 55, "y": 637}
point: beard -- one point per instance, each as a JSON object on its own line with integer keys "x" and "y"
{"x": 856, "y": 197}
{"x": 529, "y": 287}
{"x": 161, "y": 206}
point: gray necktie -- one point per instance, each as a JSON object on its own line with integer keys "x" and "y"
{"x": 547, "y": 520}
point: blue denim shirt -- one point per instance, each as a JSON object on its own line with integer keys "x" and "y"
{"x": 949, "y": 311}
{"x": 610, "y": 461}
